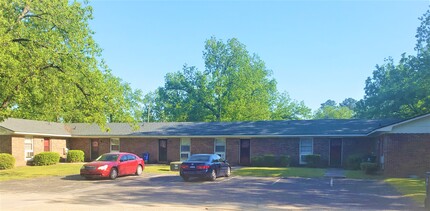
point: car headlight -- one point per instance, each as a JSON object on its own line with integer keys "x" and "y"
{"x": 104, "y": 167}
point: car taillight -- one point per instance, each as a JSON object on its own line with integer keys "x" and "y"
{"x": 203, "y": 167}
{"x": 184, "y": 167}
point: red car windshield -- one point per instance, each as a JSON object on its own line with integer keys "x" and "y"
{"x": 107, "y": 157}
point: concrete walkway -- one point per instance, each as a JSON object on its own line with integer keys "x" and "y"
{"x": 335, "y": 173}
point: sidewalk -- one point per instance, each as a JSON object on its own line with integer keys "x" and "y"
{"x": 335, "y": 173}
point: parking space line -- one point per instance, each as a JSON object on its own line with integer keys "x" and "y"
{"x": 276, "y": 181}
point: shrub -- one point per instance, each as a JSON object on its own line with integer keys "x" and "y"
{"x": 7, "y": 161}
{"x": 284, "y": 161}
{"x": 46, "y": 159}
{"x": 74, "y": 156}
{"x": 353, "y": 162}
{"x": 270, "y": 161}
{"x": 313, "y": 161}
{"x": 369, "y": 168}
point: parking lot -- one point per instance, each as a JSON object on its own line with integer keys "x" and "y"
{"x": 169, "y": 192}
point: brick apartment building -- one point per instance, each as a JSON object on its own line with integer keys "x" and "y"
{"x": 402, "y": 148}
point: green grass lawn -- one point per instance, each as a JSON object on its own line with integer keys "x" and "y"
{"x": 358, "y": 174}
{"x": 63, "y": 169}
{"x": 279, "y": 172}
{"x": 413, "y": 188}
{"x": 159, "y": 168}
{"x": 27, "y": 172}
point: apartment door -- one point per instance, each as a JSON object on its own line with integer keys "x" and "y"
{"x": 46, "y": 145}
{"x": 336, "y": 152}
{"x": 245, "y": 152}
{"x": 162, "y": 150}
{"x": 94, "y": 149}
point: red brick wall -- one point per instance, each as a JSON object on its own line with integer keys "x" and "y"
{"x": 232, "y": 151}
{"x": 202, "y": 146}
{"x": 322, "y": 147}
{"x": 81, "y": 144}
{"x": 57, "y": 145}
{"x": 276, "y": 146}
{"x": 406, "y": 154}
{"x": 358, "y": 146}
{"x": 173, "y": 149}
{"x": 18, "y": 151}
{"x": 139, "y": 146}
{"x": 104, "y": 146}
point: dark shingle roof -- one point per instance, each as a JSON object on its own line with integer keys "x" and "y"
{"x": 257, "y": 128}
{"x": 350, "y": 127}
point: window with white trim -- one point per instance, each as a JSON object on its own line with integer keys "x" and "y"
{"x": 185, "y": 148}
{"x": 219, "y": 148}
{"x": 114, "y": 145}
{"x": 306, "y": 148}
{"x": 28, "y": 148}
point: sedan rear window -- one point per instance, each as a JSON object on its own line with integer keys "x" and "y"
{"x": 107, "y": 157}
{"x": 199, "y": 158}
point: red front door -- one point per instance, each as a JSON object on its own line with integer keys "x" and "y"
{"x": 46, "y": 145}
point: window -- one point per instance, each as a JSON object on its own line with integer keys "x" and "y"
{"x": 114, "y": 144}
{"x": 185, "y": 148}
{"x": 220, "y": 147}
{"x": 28, "y": 148}
{"x": 306, "y": 148}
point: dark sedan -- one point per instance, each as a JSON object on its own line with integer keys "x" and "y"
{"x": 112, "y": 165}
{"x": 208, "y": 166}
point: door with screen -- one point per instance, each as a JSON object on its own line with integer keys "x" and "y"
{"x": 336, "y": 152}
{"x": 245, "y": 152}
{"x": 94, "y": 149}
{"x": 162, "y": 150}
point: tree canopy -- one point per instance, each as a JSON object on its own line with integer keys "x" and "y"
{"x": 400, "y": 90}
{"x": 50, "y": 66}
{"x": 331, "y": 110}
{"x": 234, "y": 86}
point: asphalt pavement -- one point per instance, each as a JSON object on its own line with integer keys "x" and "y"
{"x": 169, "y": 192}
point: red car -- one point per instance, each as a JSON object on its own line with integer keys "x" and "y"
{"x": 112, "y": 165}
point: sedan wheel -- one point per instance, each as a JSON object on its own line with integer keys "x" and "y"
{"x": 212, "y": 175}
{"x": 228, "y": 173}
{"x": 139, "y": 170}
{"x": 113, "y": 174}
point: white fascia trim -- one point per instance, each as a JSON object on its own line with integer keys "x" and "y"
{"x": 390, "y": 127}
{"x": 41, "y": 134}
{"x": 220, "y": 136}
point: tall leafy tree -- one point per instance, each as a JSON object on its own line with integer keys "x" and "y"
{"x": 401, "y": 90}
{"x": 331, "y": 110}
{"x": 285, "y": 108}
{"x": 50, "y": 69}
{"x": 349, "y": 102}
{"x": 234, "y": 86}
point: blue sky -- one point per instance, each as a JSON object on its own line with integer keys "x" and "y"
{"x": 317, "y": 50}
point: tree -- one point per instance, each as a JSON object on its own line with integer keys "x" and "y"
{"x": 235, "y": 86}
{"x": 50, "y": 69}
{"x": 330, "y": 110}
{"x": 400, "y": 90}
{"x": 349, "y": 102}
{"x": 285, "y": 108}
{"x": 328, "y": 103}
